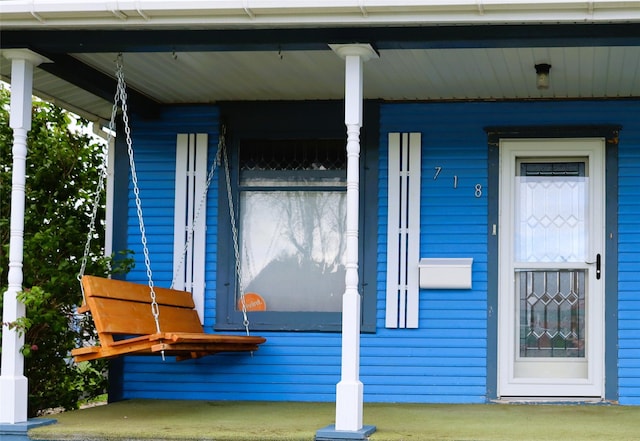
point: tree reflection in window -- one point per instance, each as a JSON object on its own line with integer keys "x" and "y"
{"x": 292, "y": 223}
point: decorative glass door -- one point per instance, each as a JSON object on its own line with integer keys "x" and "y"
{"x": 551, "y": 280}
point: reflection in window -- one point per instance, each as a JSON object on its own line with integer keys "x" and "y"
{"x": 292, "y": 223}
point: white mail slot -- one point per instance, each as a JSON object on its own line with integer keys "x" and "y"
{"x": 445, "y": 273}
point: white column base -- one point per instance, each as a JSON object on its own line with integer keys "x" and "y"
{"x": 330, "y": 433}
{"x": 20, "y": 431}
{"x": 14, "y": 392}
{"x": 349, "y": 398}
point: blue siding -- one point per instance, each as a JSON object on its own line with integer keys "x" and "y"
{"x": 454, "y": 224}
{"x": 629, "y": 263}
{"x": 449, "y": 349}
{"x": 154, "y": 144}
{"x": 445, "y": 359}
{"x": 287, "y": 368}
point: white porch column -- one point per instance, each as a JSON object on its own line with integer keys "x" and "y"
{"x": 13, "y": 383}
{"x": 349, "y": 391}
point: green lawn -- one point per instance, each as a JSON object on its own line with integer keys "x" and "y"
{"x": 232, "y": 421}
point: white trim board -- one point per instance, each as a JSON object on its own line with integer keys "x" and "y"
{"x": 403, "y": 230}
{"x": 190, "y": 215}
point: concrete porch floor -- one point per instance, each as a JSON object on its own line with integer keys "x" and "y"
{"x": 235, "y": 421}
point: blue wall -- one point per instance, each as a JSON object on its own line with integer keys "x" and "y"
{"x": 154, "y": 144}
{"x": 445, "y": 359}
{"x": 454, "y": 223}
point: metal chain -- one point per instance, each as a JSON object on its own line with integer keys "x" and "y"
{"x": 196, "y": 218}
{"x": 121, "y": 96}
{"x": 98, "y": 193}
{"x": 122, "y": 90}
{"x": 234, "y": 232}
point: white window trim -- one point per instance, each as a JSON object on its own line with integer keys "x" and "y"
{"x": 403, "y": 230}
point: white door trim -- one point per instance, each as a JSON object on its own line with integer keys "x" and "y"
{"x": 592, "y": 384}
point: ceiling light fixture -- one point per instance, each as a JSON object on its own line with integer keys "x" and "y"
{"x": 542, "y": 75}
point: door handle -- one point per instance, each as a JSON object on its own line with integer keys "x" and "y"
{"x": 598, "y": 263}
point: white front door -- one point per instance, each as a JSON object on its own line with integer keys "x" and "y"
{"x": 551, "y": 279}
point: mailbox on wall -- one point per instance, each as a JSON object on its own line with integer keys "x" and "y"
{"x": 445, "y": 273}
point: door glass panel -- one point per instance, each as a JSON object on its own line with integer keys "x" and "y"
{"x": 551, "y": 219}
{"x": 551, "y": 227}
{"x": 552, "y": 313}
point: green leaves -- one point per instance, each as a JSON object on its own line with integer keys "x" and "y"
{"x": 62, "y": 171}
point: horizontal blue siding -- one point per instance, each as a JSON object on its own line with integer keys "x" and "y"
{"x": 445, "y": 359}
{"x": 288, "y": 367}
{"x": 629, "y": 262}
{"x": 454, "y": 223}
{"x": 154, "y": 145}
{"x": 452, "y": 324}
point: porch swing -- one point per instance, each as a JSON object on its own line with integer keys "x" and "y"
{"x": 136, "y": 319}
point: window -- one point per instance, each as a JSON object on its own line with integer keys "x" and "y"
{"x": 292, "y": 223}
{"x": 288, "y": 180}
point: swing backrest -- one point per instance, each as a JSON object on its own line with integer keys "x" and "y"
{"x": 124, "y": 308}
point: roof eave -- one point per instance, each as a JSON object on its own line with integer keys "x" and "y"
{"x": 282, "y": 13}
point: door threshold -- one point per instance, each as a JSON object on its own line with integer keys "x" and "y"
{"x": 550, "y": 400}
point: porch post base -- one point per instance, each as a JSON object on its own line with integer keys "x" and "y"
{"x": 330, "y": 433}
{"x": 18, "y": 431}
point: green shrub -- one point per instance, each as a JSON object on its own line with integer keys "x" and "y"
{"x": 62, "y": 173}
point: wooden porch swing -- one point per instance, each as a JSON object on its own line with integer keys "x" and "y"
{"x": 121, "y": 308}
{"x": 135, "y": 319}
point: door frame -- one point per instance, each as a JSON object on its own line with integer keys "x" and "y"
{"x": 611, "y": 135}
{"x": 591, "y": 382}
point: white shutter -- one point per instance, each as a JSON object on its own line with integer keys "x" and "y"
{"x": 403, "y": 230}
{"x": 191, "y": 179}
{"x": 109, "y": 190}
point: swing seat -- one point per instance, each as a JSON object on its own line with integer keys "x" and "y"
{"x": 125, "y": 324}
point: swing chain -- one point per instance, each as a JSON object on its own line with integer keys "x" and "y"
{"x": 122, "y": 91}
{"x": 102, "y": 174}
{"x": 221, "y": 157}
{"x": 234, "y": 232}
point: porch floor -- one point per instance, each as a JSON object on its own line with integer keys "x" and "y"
{"x": 234, "y": 421}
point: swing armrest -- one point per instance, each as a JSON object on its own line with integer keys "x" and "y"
{"x": 86, "y": 350}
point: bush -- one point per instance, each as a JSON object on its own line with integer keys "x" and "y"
{"x": 62, "y": 173}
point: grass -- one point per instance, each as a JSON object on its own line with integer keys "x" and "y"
{"x": 95, "y": 401}
{"x": 285, "y": 421}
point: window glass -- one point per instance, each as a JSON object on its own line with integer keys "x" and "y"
{"x": 292, "y": 223}
{"x": 551, "y": 223}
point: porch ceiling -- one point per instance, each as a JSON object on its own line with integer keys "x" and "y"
{"x": 411, "y": 74}
{"x": 82, "y": 79}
